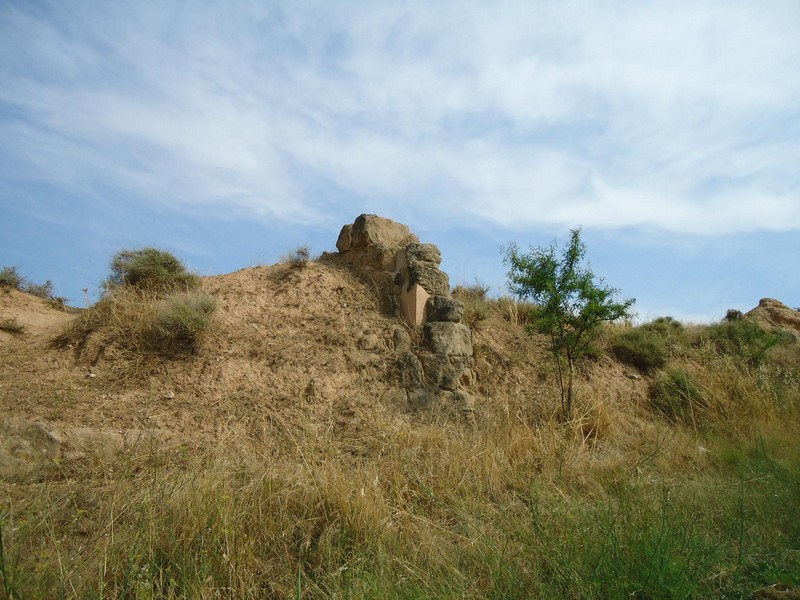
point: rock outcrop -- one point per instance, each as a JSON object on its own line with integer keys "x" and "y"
{"x": 412, "y": 285}
{"x": 772, "y": 314}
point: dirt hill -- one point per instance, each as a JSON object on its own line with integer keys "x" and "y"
{"x": 285, "y": 452}
{"x": 307, "y": 349}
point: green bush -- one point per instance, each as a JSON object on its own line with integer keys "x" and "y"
{"x": 150, "y": 269}
{"x": 677, "y": 396}
{"x": 10, "y": 277}
{"x": 640, "y": 348}
{"x": 179, "y": 324}
{"x": 733, "y": 314}
{"x": 666, "y": 327}
{"x": 744, "y": 339}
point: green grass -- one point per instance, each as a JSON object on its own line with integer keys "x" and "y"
{"x": 399, "y": 527}
{"x": 179, "y": 324}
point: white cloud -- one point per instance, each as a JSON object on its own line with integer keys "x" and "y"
{"x": 611, "y": 115}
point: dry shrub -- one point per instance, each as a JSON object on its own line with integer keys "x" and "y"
{"x": 142, "y": 323}
{"x": 297, "y": 258}
{"x": 11, "y": 277}
{"x": 179, "y": 324}
{"x": 640, "y": 348}
{"x": 476, "y": 304}
{"x": 678, "y": 396}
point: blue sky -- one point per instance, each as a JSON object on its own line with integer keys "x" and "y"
{"x": 232, "y": 132}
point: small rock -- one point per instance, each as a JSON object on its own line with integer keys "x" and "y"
{"x": 634, "y": 376}
{"x": 369, "y": 341}
{"x": 169, "y": 395}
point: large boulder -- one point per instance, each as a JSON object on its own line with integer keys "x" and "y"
{"x": 371, "y": 243}
{"x": 444, "y": 308}
{"x": 447, "y": 371}
{"x": 368, "y": 230}
{"x": 453, "y": 339}
{"x": 423, "y": 253}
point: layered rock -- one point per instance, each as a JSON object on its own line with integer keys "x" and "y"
{"x": 408, "y": 275}
{"x": 772, "y": 314}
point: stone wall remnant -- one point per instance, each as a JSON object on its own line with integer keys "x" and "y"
{"x": 408, "y": 275}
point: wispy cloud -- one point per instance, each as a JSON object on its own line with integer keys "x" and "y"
{"x": 681, "y": 116}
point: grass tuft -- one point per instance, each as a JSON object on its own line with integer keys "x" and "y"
{"x": 476, "y": 304}
{"x": 298, "y": 258}
{"x": 179, "y": 324}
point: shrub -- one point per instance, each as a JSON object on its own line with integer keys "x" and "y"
{"x": 677, "y": 396}
{"x": 40, "y": 290}
{"x": 179, "y": 324}
{"x": 10, "y": 277}
{"x": 745, "y": 339}
{"x": 733, "y": 315}
{"x": 141, "y": 324}
{"x": 150, "y": 269}
{"x": 666, "y": 327}
{"x": 297, "y": 259}
{"x": 641, "y": 348}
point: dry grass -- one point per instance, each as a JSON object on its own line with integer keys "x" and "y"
{"x": 441, "y": 510}
{"x": 300, "y": 481}
{"x": 12, "y": 326}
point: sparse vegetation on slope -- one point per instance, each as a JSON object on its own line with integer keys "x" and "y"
{"x": 146, "y": 311}
{"x": 291, "y": 472}
{"x": 11, "y": 278}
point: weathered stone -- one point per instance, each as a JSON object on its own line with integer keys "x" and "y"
{"x": 423, "y": 253}
{"x": 453, "y": 339}
{"x": 421, "y": 397}
{"x": 345, "y": 238}
{"x": 410, "y": 369}
{"x": 375, "y": 258}
{"x": 447, "y": 372}
{"x": 397, "y": 397}
{"x": 368, "y": 230}
{"x": 402, "y": 341}
{"x": 436, "y": 282}
{"x": 22, "y": 443}
{"x": 444, "y": 308}
{"x": 466, "y": 402}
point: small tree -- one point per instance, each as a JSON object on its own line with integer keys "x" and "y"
{"x": 570, "y": 305}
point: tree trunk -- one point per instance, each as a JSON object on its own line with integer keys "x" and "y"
{"x": 570, "y": 393}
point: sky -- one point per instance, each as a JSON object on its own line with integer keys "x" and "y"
{"x": 231, "y": 133}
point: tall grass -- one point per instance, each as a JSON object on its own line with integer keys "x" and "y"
{"x": 503, "y": 511}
